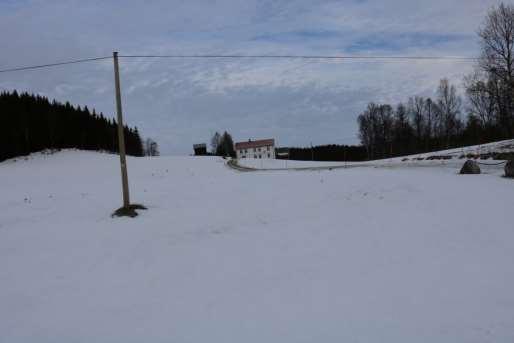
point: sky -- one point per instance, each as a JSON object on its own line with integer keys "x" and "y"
{"x": 180, "y": 102}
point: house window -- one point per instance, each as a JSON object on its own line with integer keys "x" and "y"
{"x": 268, "y": 149}
{"x": 254, "y": 156}
{"x": 269, "y": 156}
{"x": 260, "y": 156}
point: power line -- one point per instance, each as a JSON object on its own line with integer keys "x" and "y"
{"x": 54, "y": 64}
{"x": 326, "y": 57}
{"x": 297, "y": 57}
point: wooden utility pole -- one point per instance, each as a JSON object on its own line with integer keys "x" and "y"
{"x": 121, "y": 136}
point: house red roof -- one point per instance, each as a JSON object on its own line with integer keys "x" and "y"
{"x": 254, "y": 144}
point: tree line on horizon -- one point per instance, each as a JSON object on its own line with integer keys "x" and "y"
{"x": 31, "y": 123}
{"x": 329, "y": 152}
{"x": 426, "y": 124}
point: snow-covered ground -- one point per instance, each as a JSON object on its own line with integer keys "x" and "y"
{"x": 396, "y": 254}
{"x": 498, "y": 147}
{"x": 456, "y": 158}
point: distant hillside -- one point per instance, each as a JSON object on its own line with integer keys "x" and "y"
{"x": 30, "y": 123}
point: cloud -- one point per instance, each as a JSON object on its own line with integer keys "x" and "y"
{"x": 181, "y": 102}
{"x": 298, "y": 36}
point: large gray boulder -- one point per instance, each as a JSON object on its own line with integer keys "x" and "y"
{"x": 470, "y": 167}
{"x": 509, "y": 169}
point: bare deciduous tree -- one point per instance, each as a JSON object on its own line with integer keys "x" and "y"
{"x": 376, "y": 129}
{"x": 497, "y": 40}
{"x": 449, "y": 105}
{"x": 490, "y": 89}
{"x": 416, "y": 108}
{"x": 481, "y": 98}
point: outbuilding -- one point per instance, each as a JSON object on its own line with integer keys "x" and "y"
{"x": 200, "y": 149}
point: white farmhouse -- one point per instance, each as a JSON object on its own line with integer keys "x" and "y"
{"x": 264, "y": 148}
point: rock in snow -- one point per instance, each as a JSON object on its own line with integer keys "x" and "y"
{"x": 470, "y": 167}
{"x": 509, "y": 169}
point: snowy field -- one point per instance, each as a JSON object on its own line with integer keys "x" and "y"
{"x": 399, "y": 254}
